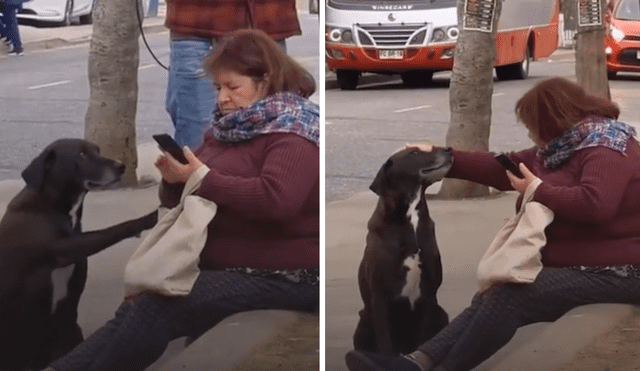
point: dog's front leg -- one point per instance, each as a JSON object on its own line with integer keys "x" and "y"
{"x": 380, "y": 316}
{"x": 80, "y": 246}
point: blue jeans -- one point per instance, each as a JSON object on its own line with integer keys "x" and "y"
{"x": 191, "y": 96}
{"x": 142, "y": 327}
{"x": 10, "y": 22}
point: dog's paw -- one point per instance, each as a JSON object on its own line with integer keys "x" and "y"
{"x": 144, "y": 223}
{"x": 150, "y": 220}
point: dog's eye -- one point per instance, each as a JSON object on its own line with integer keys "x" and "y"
{"x": 415, "y": 152}
{"x": 83, "y": 154}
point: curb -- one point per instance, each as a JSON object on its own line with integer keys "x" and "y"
{"x": 60, "y": 42}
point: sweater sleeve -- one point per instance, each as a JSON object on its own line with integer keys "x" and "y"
{"x": 482, "y": 167}
{"x": 598, "y": 194}
{"x": 290, "y": 172}
{"x": 169, "y": 194}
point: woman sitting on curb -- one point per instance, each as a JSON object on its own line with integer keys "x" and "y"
{"x": 262, "y": 250}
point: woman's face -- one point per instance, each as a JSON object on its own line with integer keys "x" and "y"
{"x": 536, "y": 139}
{"x": 236, "y": 91}
{"x": 533, "y": 134}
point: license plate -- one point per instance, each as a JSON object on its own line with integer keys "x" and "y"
{"x": 390, "y": 54}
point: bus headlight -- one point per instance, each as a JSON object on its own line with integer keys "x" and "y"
{"x": 339, "y": 35}
{"x": 453, "y": 33}
{"x": 441, "y": 34}
{"x": 616, "y": 34}
{"x": 438, "y": 35}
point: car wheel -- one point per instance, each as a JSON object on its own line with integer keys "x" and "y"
{"x": 516, "y": 71}
{"x": 66, "y": 21}
{"x": 416, "y": 79}
{"x": 88, "y": 18}
{"x": 348, "y": 80}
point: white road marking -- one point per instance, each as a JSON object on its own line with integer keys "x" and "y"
{"x": 411, "y": 109}
{"x": 497, "y": 94}
{"x": 412, "y": 213}
{"x": 49, "y": 85}
{"x": 57, "y": 83}
{"x": 374, "y": 84}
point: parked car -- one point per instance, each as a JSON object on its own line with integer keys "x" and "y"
{"x": 57, "y": 12}
{"x": 62, "y": 12}
{"x": 622, "y": 38}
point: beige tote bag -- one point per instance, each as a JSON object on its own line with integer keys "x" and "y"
{"x": 514, "y": 255}
{"x": 166, "y": 262}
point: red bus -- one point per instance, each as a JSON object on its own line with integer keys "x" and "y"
{"x": 415, "y": 38}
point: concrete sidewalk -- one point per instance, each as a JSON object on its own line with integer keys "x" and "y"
{"x": 464, "y": 230}
{"x": 39, "y": 38}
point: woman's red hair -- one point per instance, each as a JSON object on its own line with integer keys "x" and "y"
{"x": 555, "y": 105}
{"x": 253, "y": 53}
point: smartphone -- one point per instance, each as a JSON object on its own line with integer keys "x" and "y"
{"x": 509, "y": 165}
{"x": 169, "y": 145}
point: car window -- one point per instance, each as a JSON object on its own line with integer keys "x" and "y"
{"x": 628, "y": 9}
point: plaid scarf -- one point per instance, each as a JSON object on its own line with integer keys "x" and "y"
{"x": 283, "y": 112}
{"x": 591, "y": 132}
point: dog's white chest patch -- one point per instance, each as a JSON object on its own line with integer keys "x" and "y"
{"x": 60, "y": 279}
{"x": 412, "y": 214}
{"x": 411, "y": 289}
{"x": 74, "y": 211}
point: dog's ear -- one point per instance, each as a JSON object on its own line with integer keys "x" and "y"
{"x": 379, "y": 182}
{"x": 35, "y": 173}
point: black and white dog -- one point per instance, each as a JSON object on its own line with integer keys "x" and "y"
{"x": 401, "y": 269}
{"x": 43, "y": 252}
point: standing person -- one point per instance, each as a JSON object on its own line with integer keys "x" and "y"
{"x": 9, "y": 31}
{"x": 262, "y": 250}
{"x": 589, "y": 165}
{"x": 196, "y": 27}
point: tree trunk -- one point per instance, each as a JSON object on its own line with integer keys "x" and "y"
{"x": 113, "y": 78}
{"x": 591, "y": 68}
{"x": 470, "y": 98}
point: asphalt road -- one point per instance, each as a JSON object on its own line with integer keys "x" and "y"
{"x": 44, "y": 94}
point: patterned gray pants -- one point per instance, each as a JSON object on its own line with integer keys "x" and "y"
{"x": 142, "y": 328}
{"x": 493, "y": 317}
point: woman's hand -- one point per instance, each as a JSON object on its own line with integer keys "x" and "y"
{"x": 424, "y": 147}
{"x": 521, "y": 184}
{"x": 173, "y": 171}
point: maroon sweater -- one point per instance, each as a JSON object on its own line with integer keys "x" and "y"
{"x": 268, "y": 194}
{"x": 595, "y": 197}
